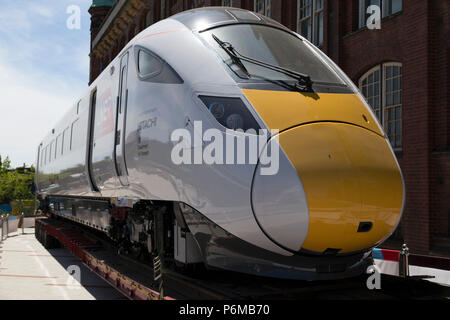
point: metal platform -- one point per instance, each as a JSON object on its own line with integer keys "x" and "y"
{"x": 28, "y": 271}
{"x": 134, "y": 279}
{"x": 119, "y": 272}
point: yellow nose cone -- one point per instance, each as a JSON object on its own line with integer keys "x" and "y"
{"x": 350, "y": 177}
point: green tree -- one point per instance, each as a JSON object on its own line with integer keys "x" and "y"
{"x": 14, "y": 185}
{"x": 4, "y": 165}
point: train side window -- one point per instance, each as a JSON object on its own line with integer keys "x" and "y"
{"x": 148, "y": 64}
{"x": 52, "y": 148}
{"x": 65, "y": 141}
{"x": 152, "y": 68}
{"x": 58, "y": 145}
{"x": 45, "y": 155}
{"x": 42, "y": 157}
{"x": 74, "y": 136}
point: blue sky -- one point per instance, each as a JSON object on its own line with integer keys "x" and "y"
{"x": 44, "y": 68}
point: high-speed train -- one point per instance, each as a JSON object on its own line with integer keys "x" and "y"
{"x": 337, "y": 190}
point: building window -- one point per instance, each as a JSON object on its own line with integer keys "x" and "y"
{"x": 387, "y": 7}
{"x": 200, "y": 3}
{"x": 391, "y": 7}
{"x": 149, "y": 19}
{"x": 263, "y": 7}
{"x": 163, "y": 9}
{"x": 382, "y": 87}
{"x": 370, "y": 87}
{"x": 227, "y": 3}
{"x": 310, "y": 20}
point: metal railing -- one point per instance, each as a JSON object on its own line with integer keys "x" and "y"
{"x": 3, "y": 227}
{"x": 28, "y": 221}
{"x": 403, "y": 262}
{"x": 6, "y": 227}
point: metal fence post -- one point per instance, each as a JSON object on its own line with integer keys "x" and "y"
{"x": 403, "y": 264}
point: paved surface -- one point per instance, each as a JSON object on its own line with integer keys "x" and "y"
{"x": 28, "y": 271}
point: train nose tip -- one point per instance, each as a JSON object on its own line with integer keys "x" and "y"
{"x": 338, "y": 189}
{"x": 352, "y": 184}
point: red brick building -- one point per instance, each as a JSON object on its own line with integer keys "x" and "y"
{"x": 402, "y": 68}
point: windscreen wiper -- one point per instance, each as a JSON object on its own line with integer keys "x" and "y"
{"x": 229, "y": 49}
{"x": 304, "y": 82}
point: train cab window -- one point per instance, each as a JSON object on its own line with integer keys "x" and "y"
{"x": 152, "y": 68}
{"x": 274, "y": 47}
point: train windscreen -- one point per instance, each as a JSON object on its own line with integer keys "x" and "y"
{"x": 271, "y": 46}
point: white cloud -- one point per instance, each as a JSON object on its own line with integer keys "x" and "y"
{"x": 43, "y": 11}
{"x": 28, "y": 111}
{"x": 43, "y": 71}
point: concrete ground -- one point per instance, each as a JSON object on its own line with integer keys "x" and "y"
{"x": 28, "y": 271}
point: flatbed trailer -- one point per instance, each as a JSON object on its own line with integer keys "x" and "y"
{"x": 136, "y": 280}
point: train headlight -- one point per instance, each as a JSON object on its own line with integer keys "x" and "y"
{"x": 231, "y": 113}
{"x": 217, "y": 110}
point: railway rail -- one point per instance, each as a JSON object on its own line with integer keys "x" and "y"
{"x": 135, "y": 279}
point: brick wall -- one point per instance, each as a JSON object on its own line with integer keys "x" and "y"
{"x": 418, "y": 38}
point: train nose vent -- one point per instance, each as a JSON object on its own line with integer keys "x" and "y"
{"x": 365, "y": 226}
{"x": 331, "y": 252}
{"x": 331, "y": 268}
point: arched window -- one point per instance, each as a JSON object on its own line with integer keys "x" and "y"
{"x": 382, "y": 87}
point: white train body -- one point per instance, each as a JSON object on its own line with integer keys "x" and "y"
{"x": 114, "y": 146}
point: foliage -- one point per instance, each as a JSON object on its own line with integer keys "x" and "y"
{"x": 14, "y": 184}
